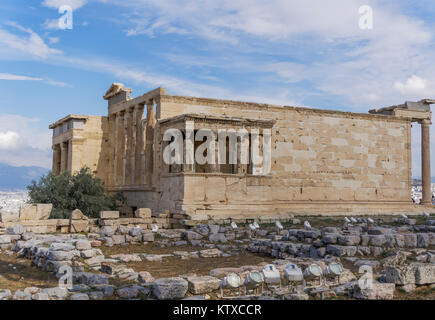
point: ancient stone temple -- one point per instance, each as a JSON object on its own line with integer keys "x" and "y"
{"x": 320, "y": 161}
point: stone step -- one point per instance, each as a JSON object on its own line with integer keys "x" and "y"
{"x": 2, "y": 231}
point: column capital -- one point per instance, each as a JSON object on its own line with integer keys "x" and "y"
{"x": 426, "y": 122}
{"x": 139, "y": 106}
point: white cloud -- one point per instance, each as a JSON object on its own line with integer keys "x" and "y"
{"x": 28, "y": 44}
{"x": 8, "y": 76}
{"x": 359, "y": 66}
{"x": 24, "y": 142}
{"x": 57, "y": 83}
{"x": 14, "y": 77}
{"x": 53, "y": 40}
{"x": 414, "y": 84}
{"x": 8, "y": 140}
{"x": 52, "y": 24}
{"x": 56, "y": 4}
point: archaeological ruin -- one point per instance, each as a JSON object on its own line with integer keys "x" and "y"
{"x": 321, "y": 161}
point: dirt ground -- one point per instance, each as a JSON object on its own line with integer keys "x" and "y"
{"x": 17, "y": 274}
{"x": 149, "y": 248}
{"x": 173, "y": 266}
{"x": 422, "y": 293}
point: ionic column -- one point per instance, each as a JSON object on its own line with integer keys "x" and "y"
{"x": 113, "y": 130}
{"x": 119, "y": 147}
{"x": 139, "y": 147}
{"x": 124, "y": 147}
{"x": 149, "y": 152}
{"x": 63, "y": 156}
{"x": 425, "y": 162}
{"x": 129, "y": 147}
{"x": 142, "y": 164}
{"x": 69, "y": 159}
{"x": 56, "y": 159}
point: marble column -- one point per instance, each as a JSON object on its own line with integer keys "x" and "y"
{"x": 114, "y": 142}
{"x": 425, "y": 162}
{"x": 69, "y": 163}
{"x": 119, "y": 147}
{"x": 63, "y": 156}
{"x": 124, "y": 143}
{"x": 149, "y": 147}
{"x": 56, "y": 159}
{"x": 129, "y": 153}
{"x": 139, "y": 144}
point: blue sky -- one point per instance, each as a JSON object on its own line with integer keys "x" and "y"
{"x": 303, "y": 53}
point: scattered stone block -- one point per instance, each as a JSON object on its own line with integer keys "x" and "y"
{"x": 296, "y": 296}
{"x": 217, "y": 237}
{"x": 96, "y": 295}
{"x": 145, "y": 277}
{"x": 40, "y": 296}
{"x": 128, "y": 292}
{"x": 35, "y": 211}
{"x": 109, "y": 215}
{"x": 143, "y": 213}
{"x": 5, "y": 294}
{"x": 330, "y": 238}
{"x": 27, "y": 212}
{"x": 400, "y": 275}
{"x": 422, "y": 240}
{"x": 378, "y": 291}
{"x": 83, "y": 245}
{"x": 118, "y": 239}
{"x": 79, "y": 296}
{"x": 61, "y": 246}
{"x": 136, "y": 231}
{"x": 340, "y": 251}
{"x": 203, "y": 284}
{"x": 349, "y": 240}
{"x": 90, "y": 279}
{"x": 61, "y": 255}
{"x": 148, "y": 237}
{"x": 191, "y": 235}
{"x": 15, "y": 230}
{"x": 377, "y": 240}
{"x": 170, "y": 288}
{"x": 77, "y": 214}
{"x": 210, "y": 253}
{"x": 21, "y": 295}
{"x": 57, "y": 293}
{"x": 97, "y": 260}
{"x": 6, "y": 216}
{"x": 410, "y": 240}
{"x": 424, "y": 274}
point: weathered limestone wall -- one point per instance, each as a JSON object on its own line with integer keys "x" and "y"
{"x": 318, "y": 156}
{"x": 86, "y": 146}
{"x": 91, "y": 146}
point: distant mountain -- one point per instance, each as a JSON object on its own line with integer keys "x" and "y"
{"x": 18, "y": 178}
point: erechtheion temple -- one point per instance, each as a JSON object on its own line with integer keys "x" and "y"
{"x": 321, "y": 161}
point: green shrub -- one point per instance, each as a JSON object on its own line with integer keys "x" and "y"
{"x": 67, "y": 192}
